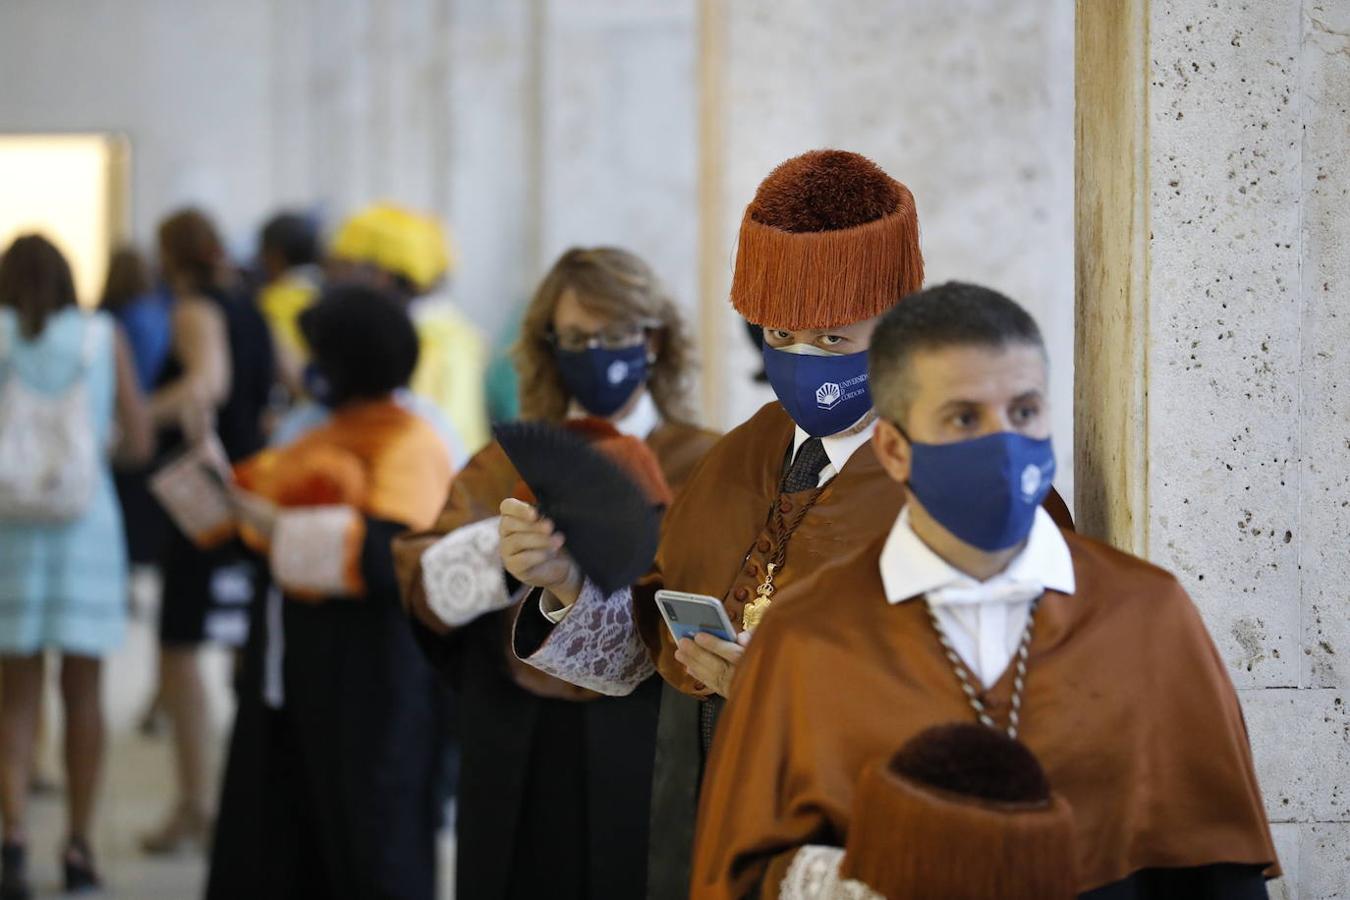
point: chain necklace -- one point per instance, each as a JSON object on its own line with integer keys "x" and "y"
{"x": 754, "y": 610}
{"x": 968, "y": 688}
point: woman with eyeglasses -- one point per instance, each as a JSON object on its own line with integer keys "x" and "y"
{"x": 555, "y": 781}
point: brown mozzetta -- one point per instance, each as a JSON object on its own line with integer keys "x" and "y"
{"x": 1128, "y": 707}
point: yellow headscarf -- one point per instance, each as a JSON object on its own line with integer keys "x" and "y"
{"x": 397, "y": 240}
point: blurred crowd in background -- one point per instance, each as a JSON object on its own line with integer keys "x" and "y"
{"x": 188, "y": 346}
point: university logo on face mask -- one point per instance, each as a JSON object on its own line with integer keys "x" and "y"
{"x": 602, "y": 380}
{"x": 985, "y": 490}
{"x": 828, "y": 395}
{"x": 824, "y": 394}
{"x": 1033, "y": 476}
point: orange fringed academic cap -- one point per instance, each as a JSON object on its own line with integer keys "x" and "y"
{"x": 830, "y": 239}
{"x": 961, "y": 812}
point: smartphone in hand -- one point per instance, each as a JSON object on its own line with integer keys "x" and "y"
{"x": 688, "y": 614}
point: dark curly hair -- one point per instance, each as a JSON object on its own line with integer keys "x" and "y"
{"x": 362, "y": 341}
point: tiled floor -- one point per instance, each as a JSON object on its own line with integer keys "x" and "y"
{"x": 137, "y": 778}
{"x": 137, "y": 784}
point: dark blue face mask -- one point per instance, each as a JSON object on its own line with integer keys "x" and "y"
{"x": 985, "y": 490}
{"x": 824, "y": 394}
{"x": 602, "y": 380}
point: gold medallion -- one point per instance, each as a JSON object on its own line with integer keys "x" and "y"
{"x": 754, "y": 610}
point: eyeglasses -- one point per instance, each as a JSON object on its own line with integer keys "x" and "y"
{"x": 609, "y": 339}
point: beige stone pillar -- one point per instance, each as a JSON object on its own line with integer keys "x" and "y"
{"x": 1212, "y": 413}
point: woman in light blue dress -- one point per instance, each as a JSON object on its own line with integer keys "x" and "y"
{"x": 62, "y": 583}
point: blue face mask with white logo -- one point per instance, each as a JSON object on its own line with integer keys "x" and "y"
{"x": 986, "y": 490}
{"x": 823, "y": 393}
{"x": 601, "y": 380}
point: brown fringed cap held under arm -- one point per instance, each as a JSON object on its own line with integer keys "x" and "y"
{"x": 829, "y": 239}
{"x": 962, "y": 812}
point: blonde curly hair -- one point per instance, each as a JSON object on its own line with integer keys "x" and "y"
{"x": 618, "y": 285}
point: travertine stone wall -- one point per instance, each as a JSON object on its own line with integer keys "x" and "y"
{"x": 1218, "y": 179}
{"x": 529, "y": 125}
{"x": 970, "y": 102}
{"x": 525, "y": 124}
{"x": 184, "y": 81}
{"x": 619, "y": 133}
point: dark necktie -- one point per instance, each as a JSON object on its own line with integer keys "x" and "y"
{"x": 805, "y": 472}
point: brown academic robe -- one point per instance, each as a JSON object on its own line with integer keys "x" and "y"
{"x": 716, "y": 540}
{"x": 536, "y": 752}
{"x": 1127, "y": 704}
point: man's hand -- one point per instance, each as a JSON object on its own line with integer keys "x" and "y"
{"x": 533, "y": 552}
{"x": 712, "y": 660}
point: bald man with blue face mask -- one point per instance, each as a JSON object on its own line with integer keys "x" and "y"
{"x": 829, "y": 243}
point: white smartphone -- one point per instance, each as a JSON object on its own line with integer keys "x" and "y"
{"x": 688, "y": 614}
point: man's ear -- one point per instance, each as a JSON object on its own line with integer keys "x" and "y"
{"x": 893, "y": 449}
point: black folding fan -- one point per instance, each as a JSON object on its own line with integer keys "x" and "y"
{"x": 612, "y": 527}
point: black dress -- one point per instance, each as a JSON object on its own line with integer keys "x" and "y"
{"x": 207, "y": 592}
{"x": 554, "y": 795}
{"x": 332, "y": 793}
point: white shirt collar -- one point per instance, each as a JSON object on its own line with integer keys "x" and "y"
{"x": 640, "y": 422}
{"x": 910, "y": 568}
{"x": 839, "y": 448}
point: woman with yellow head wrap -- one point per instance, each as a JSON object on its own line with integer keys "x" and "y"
{"x": 410, "y": 253}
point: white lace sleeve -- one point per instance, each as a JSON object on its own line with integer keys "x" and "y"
{"x": 814, "y": 875}
{"x": 462, "y": 574}
{"x": 597, "y": 646}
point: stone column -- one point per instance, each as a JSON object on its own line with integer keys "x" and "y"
{"x": 1213, "y": 359}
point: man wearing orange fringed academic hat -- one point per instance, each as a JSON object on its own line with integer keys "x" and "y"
{"x": 829, "y": 243}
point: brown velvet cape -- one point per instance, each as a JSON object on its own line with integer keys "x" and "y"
{"x": 1128, "y": 706}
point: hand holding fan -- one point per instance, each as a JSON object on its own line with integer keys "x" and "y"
{"x": 611, "y": 525}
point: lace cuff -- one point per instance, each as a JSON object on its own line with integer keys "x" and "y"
{"x": 597, "y": 646}
{"x": 814, "y": 875}
{"x": 316, "y": 552}
{"x": 462, "y": 574}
